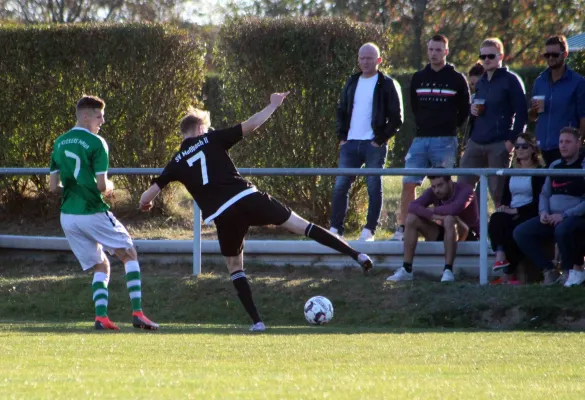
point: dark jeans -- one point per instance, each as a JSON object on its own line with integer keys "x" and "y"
{"x": 550, "y": 156}
{"x": 501, "y": 232}
{"x": 567, "y": 235}
{"x": 354, "y": 154}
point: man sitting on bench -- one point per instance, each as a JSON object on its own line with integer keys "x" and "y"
{"x": 446, "y": 212}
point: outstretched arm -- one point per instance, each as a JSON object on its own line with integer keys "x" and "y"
{"x": 256, "y": 120}
{"x": 148, "y": 196}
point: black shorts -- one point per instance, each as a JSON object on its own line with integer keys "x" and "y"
{"x": 472, "y": 236}
{"x": 256, "y": 209}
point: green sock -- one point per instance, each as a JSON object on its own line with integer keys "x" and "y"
{"x": 133, "y": 284}
{"x": 100, "y": 293}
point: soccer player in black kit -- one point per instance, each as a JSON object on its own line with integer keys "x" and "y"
{"x": 204, "y": 167}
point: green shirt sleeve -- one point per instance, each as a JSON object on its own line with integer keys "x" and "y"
{"x": 100, "y": 158}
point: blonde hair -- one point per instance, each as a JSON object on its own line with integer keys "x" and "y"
{"x": 493, "y": 42}
{"x": 194, "y": 118}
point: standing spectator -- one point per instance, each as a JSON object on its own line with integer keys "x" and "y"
{"x": 500, "y": 119}
{"x": 519, "y": 204}
{"x": 446, "y": 212}
{"x": 567, "y": 108}
{"x": 368, "y": 115}
{"x": 439, "y": 97}
{"x": 475, "y": 74}
{"x": 562, "y": 216}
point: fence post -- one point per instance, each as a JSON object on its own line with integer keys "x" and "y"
{"x": 196, "y": 239}
{"x": 483, "y": 231}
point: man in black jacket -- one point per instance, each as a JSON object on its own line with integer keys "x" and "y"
{"x": 369, "y": 113}
{"x": 439, "y": 96}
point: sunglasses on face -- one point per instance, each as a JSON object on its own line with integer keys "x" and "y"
{"x": 553, "y": 55}
{"x": 523, "y": 146}
{"x": 490, "y": 56}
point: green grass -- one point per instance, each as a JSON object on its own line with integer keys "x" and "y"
{"x": 57, "y": 360}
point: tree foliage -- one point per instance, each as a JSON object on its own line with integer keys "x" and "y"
{"x": 312, "y": 58}
{"x": 147, "y": 74}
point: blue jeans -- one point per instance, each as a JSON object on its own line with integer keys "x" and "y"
{"x": 426, "y": 152}
{"x": 354, "y": 154}
{"x": 566, "y": 235}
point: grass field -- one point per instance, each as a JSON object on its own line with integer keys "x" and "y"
{"x": 66, "y": 360}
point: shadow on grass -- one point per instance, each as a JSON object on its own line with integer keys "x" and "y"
{"x": 197, "y": 329}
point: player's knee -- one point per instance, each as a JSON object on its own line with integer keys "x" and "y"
{"x": 104, "y": 267}
{"x": 126, "y": 255}
{"x": 449, "y": 222}
{"x": 412, "y": 220}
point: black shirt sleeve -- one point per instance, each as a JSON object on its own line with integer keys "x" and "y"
{"x": 167, "y": 176}
{"x": 227, "y": 137}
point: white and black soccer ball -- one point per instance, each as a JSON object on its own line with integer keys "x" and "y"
{"x": 318, "y": 310}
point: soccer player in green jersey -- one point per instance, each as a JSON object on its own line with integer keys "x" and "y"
{"x": 79, "y": 171}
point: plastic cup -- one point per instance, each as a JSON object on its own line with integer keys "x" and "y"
{"x": 479, "y": 105}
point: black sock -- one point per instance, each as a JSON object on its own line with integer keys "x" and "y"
{"x": 449, "y": 267}
{"x": 245, "y": 294}
{"x": 328, "y": 239}
{"x": 407, "y": 266}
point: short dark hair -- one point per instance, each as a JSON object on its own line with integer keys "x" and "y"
{"x": 572, "y": 131}
{"x": 476, "y": 70}
{"x": 561, "y": 40}
{"x": 90, "y": 102}
{"x": 431, "y": 176}
{"x": 440, "y": 38}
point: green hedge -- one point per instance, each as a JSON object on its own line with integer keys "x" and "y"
{"x": 312, "y": 58}
{"x": 148, "y": 74}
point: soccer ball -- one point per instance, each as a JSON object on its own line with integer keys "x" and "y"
{"x": 318, "y": 310}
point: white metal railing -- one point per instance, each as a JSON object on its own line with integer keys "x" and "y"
{"x": 483, "y": 174}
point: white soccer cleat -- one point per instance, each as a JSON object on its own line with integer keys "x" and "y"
{"x": 448, "y": 276}
{"x": 398, "y": 236}
{"x": 400, "y": 275}
{"x": 365, "y": 262}
{"x": 575, "y": 278}
{"x": 366, "y": 236}
{"x": 258, "y": 327}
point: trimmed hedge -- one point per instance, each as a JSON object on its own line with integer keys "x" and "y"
{"x": 148, "y": 74}
{"x": 312, "y": 58}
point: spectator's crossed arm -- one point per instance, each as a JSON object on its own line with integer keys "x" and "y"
{"x": 419, "y": 207}
{"x": 461, "y": 201}
{"x": 544, "y": 199}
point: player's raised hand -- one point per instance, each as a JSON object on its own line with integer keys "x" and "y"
{"x": 276, "y": 99}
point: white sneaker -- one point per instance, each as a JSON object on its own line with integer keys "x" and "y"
{"x": 400, "y": 275}
{"x": 575, "y": 278}
{"x": 258, "y": 327}
{"x": 398, "y": 236}
{"x": 366, "y": 236}
{"x": 448, "y": 276}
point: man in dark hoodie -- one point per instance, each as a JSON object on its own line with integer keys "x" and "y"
{"x": 369, "y": 113}
{"x": 500, "y": 119}
{"x": 439, "y": 97}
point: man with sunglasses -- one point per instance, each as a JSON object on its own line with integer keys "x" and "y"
{"x": 499, "y": 122}
{"x": 564, "y": 99}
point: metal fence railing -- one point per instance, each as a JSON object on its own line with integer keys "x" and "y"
{"x": 483, "y": 174}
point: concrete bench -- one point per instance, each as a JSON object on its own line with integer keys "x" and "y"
{"x": 429, "y": 257}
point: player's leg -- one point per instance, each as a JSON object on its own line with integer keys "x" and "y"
{"x": 108, "y": 231}
{"x": 417, "y": 157}
{"x": 90, "y": 255}
{"x": 232, "y": 227}
{"x": 300, "y": 226}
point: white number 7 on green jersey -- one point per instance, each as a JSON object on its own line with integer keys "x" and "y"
{"x": 200, "y": 156}
{"x": 77, "y": 162}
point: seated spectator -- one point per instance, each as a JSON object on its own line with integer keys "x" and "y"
{"x": 562, "y": 217}
{"x": 519, "y": 204}
{"x": 445, "y": 212}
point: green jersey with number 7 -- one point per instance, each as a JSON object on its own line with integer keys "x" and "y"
{"x": 78, "y": 156}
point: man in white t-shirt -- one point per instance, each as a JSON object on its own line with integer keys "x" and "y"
{"x": 368, "y": 115}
